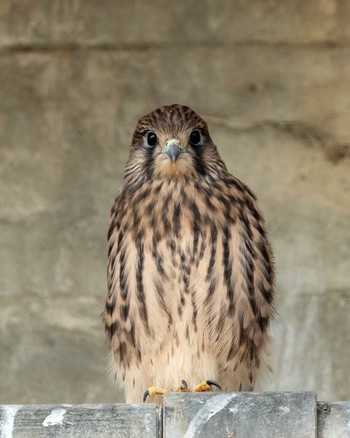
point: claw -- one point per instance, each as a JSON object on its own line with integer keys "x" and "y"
{"x": 213, "y": 383}
{"x": 184, "y": 386}
{"x": 145, "y": 395}
{"x": 206, "y": 385}
{"x": 153, "y": 391}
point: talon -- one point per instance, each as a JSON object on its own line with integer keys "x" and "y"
{"x": 145, "y": 395}
{"x": 153, "y": 391}
{"x": 184, "y": 386}
{"x": 206, "y": 385}
{"x": 213, "y": 383}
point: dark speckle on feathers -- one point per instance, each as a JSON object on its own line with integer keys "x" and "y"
{"x": 186, "y": 248}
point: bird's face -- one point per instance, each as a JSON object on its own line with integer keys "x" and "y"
{"x": 172, "y": 142}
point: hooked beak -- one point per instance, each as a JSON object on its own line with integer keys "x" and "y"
{"x": 173, "y": 148}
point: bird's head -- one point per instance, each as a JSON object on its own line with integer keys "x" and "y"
{"x": 172, "y": 142}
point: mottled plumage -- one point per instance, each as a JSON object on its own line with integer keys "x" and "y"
{"x": 190, "y": 269}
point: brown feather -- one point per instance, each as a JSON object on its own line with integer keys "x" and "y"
{"x": 190, "y": 269}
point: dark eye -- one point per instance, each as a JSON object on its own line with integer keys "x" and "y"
{"x": 195, "y": 137}
{"x": 152, "y": 139}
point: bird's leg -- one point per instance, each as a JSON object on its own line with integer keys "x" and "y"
{"x": 206, "y": 385}
{"x": 154, "y": 390}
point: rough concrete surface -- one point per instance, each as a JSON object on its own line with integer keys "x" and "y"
{"x": 333, "y": 419}
{"x": 89, "y": 421}
{"x": 244, "y": 414}
{"x": 240, "y": 415}
{"x": 271, "y": 78}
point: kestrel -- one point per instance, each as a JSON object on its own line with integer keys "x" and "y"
{"x": 190, "y": 268}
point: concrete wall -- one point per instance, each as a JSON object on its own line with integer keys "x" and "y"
{"x": 272, "y": 80}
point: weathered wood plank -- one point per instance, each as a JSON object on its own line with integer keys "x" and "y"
{"x": 240, "y": 415}
{"x": 333, "y": 419}
{"x": 117, "y": 420}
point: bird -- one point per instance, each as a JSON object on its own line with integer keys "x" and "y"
{"x": 191, "y": 276}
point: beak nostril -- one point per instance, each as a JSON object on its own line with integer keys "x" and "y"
{"x": 173, "y": 142}
{"x": 173, "y": 148}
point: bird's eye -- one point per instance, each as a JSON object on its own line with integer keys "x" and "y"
{"x": 152, "y": 139}
{"x": 195, "y": 137}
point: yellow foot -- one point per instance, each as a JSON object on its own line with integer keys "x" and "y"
{"x": 153, "y": 391}
{"x": 206, "y": 385}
